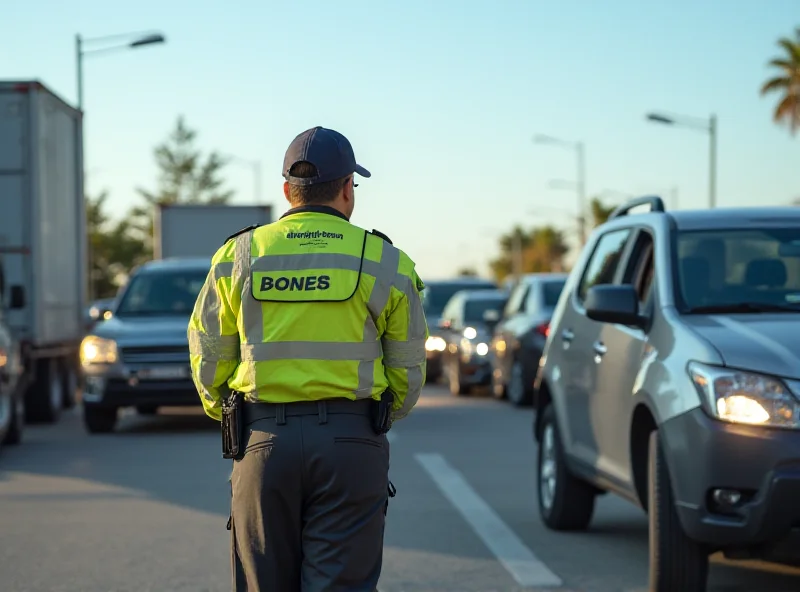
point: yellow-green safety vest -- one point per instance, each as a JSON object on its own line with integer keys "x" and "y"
{"x": 309, "y": 307}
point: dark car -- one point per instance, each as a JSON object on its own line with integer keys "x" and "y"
{"x": 139, "y": 355}
{"x": 520, "y": 336}
{"x": 435, "y": 297}
{"x": 467, "y": 324}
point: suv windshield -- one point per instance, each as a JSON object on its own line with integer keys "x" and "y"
{"x": 436, "y": 296}
{"x": 172, "y": 292}
{"x": 474, "y": 308}
{"x": 552, "y": 291}
{"x": 742, "y": 270}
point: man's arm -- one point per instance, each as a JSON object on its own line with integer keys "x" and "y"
{"x": 213, "y": 334}
{"x": 404, "y": 343}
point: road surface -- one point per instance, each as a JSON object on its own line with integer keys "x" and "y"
{"x": 144, "y": 510}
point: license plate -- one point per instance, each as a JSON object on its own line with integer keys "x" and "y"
{"x": 165, "y": 373}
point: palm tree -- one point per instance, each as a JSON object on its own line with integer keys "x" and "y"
{"x": 787, "y": 82}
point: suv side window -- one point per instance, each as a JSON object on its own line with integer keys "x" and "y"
{"x": 639, "y": 271}
{"x": 604, "y": 261}
{"x": 516, "y": 302}
{"x": 450, "y": 311}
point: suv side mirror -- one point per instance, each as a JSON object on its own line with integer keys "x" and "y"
{"x": 608, "y": 303}
{"x": 17, "y": 299}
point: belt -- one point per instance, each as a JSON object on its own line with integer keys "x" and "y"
{"x": 280, "y": 411}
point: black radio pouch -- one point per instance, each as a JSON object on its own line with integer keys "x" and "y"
{"x": 233, "y": 426}
{"x": 382, "y": 413}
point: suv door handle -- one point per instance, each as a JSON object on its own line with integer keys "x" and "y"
{"x": 567, "y": 335}
{"x": 599, "y": 348}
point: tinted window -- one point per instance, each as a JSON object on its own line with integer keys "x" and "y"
{"x": 171, "y": 292}
{"x": 552, "y": 291}
{"x": 474, "y": 308}
{"x": 604, "y": 261}
{"x": 436, "y": 296}
{"x": 729, "y": 267}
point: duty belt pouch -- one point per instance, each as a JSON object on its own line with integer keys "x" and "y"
{"x": 233, "y": 426}
{"x": 382, "y": 413}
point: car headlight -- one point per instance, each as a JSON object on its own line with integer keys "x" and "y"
{"x": 482, "y": 349}
{"x": 746, "y": 397}
{"x": 96, "y": 350}
{"x": 470, "y": 333}
{"x": 435, "y": 343}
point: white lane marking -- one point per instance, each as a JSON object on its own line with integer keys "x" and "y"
{"x": 521, "y": 563}
{"x": 391, "y": 436}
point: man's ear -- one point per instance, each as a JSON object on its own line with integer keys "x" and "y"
{"x": 286, "y": 191}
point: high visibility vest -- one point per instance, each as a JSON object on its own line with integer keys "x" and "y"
{"x": 307, "y": 308}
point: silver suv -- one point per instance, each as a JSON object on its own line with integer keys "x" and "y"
{"x": 671, "y": 377}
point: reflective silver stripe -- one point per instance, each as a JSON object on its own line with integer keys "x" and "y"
{"x": 213, "y": 348}
{"x": 306, "y": 261}
{"x": 222, "y": 270}
{"x": 209, "y": 318}
{"x": 310, "y": 350}
{"x": 251, "y": 312}
{"x": 384, "y": 272}
{"x": 403, "y": 354}
{"x": 412, "y": 396}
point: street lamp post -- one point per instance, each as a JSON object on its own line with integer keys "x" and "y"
{"x": 117, "y": 43}
{"x": 709, "y": 126}
{"x": 580, "y": 153}
{"x": 256, "y": 168}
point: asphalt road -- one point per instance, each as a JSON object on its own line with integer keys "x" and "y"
{"x": 144, "y": 510}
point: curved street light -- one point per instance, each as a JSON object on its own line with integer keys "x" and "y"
{"x": 118, "y": 42}
{"x": 580, "y": 185}
{"x": 705, "y": 125}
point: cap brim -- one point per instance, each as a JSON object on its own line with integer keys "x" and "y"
{"x": 362, "y": 171}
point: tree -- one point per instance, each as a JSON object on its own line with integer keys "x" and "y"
{"x": 600, "y": 212}
{"x": 467, "y": 272}
{"x": 185, "y": 176}
{"x": 114, "y": 248}
{"x": 787, "y": 83}
{"x": 542, "y": 249}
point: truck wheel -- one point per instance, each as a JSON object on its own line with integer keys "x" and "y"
{"x": 565, "y": 502}
{"x": 99, "y": 420}
{"x": 69, "y": 375}
{"x": 45, "y": 396}
{"x": 676, "y": 561}
{"x": 14, "y": 434}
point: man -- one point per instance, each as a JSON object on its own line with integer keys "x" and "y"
{"x": 313, "y": 319}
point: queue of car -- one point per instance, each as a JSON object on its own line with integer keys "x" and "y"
{"x": 664, "y": 369}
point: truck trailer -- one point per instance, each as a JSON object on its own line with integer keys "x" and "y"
{"x": 43, "y": 242}
{"x": 198, "y": 230}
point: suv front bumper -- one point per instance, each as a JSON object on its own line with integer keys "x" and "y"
{"x": 762, "y": 464}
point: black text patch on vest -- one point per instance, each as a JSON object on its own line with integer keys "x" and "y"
{"x": 302, "y": 283}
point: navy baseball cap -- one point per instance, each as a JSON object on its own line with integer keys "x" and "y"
{"x": 326, "y": 149}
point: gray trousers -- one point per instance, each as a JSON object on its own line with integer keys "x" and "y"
{"x": 309, "y": 499}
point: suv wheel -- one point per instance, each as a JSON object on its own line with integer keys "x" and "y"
{"x": 518, "y": 392}
{"x": 565, "y": 502}
{"x": 676, "y": 561}
{"x": 457, "y": 387}
{"x": 99, "y": 420}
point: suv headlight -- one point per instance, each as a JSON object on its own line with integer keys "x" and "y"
{"x": 435, "y": 343}
{"x": 745, "y": 397}
{"x": 96, "y": 350}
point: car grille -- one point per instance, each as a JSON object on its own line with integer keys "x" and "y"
{"x": 162, "y": 354}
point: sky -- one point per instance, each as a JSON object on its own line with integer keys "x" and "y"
{"x": 440, "y": 100}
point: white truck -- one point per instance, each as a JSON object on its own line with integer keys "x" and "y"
{"x": 198, "y": 230}
{"x": 42, "y": 242}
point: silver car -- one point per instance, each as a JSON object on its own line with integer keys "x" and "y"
{"x": 139, "y": 356}
{"x": 671, "y": 377}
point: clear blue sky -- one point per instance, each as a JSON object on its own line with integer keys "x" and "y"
{"x": 440, "y": 100}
